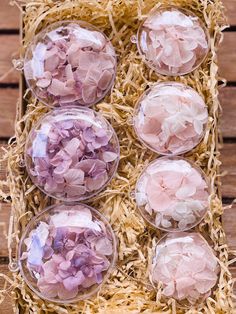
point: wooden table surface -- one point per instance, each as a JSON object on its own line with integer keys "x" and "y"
{"x": 9, "y": 45}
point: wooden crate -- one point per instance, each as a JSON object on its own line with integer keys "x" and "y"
{"x": 228, "y": 192}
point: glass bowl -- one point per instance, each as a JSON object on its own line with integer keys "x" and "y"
{"x": 70, "y": 63}
{"x": 173, "y": 41}
{"x": 67, "y": 252}
{"x": 72, "y": 153}
{"x": 172, "y": 194}
{"x": 186, "y": 266}
{"x": 170, "y": 118}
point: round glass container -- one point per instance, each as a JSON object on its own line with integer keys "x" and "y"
{"x": 72, "y": 154}
{"x": 67, "y": 252}
{"x": 70, "y": 63}
{"x": 170, "y": 118}
{"x": 186, "y": 266}
{"x": 173, "y": 41}
{"x": 172, "y": 194}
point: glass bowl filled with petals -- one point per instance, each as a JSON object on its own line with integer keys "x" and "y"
{"x": 173, "y": 41}
{"x": 186, "y": 266}
{"x": 67, "y": 252}
{"x": 70, "y": 63}
{"x": 72, "y": 154}
{"x": 172, "y": 194}
{"x": 170, "y": 118}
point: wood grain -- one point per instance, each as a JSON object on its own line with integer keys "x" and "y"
{"x": 230, "y": 6}
{"x": 227, "y": 56}
{"x": 228, "y": 159}
{"x": 229, "y": 223}
{"x": 228, "y": 103}
{"x": 9, "y": 16}
{"x": 8, "y": 99}
{"x": 9, "y": 49}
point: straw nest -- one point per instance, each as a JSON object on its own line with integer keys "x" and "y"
{"x": 128, "y": 289}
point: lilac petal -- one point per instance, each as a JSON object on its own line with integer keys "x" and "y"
{"x": 43, "y": 83}
{"x": 95, "y": 183}
{"x": 105, "y": 80}
{"x": 72, "y": 146}
{"x": 74, "y": 176}
{"x": 72, "y": 282}
{"x": 65, "y": 265}
{"x": 35, "y": 253}
{"x": 65, "y": 294}
{"x": 104, "y": 246}
{"x": 109, "y": 156}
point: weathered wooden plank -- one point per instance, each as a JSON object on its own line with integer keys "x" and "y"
{"x": 228, "y": 153}
{"x": 8, "y": 99}
{"x": 9, "y": 16}
{"x": 10, "y": 46}
{"x": 228, "y": 103}
{"x": 229, "y": 223}
{"x": 230, "y": 6}
{"x": 9, "y": 49}
{"x": 227, "y": 56}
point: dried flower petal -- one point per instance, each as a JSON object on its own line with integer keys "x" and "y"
{"x": 170, "y": 118}
{"x": 72, "y": 154}
{"x": 172, "y": 194}
{"x": 180, "y": 263}
{"x": 69, "y": 252}
{"x": 80, "y": 60}
{"x": 173, "y": 41}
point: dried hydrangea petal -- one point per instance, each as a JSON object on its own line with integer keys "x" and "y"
{"x": 172, "y": 194}
{"x": 170, "y": 118}
{"x": 181, "y": 264}
{"x": 173, "y": 41}
{"x": 72, "y": 153}
{"x": 70, "y": 63}
{"x": 74, "y": 253}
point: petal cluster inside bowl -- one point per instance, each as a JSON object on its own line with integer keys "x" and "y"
{"x": 72, "y": 153}
{"x": 173, "y": 41}
{"x": 170, "y": 118}
{"x": 67, "y": 252}
{"x": 172, "y": 194}
{"x": 70, "y": 62}
{"x": 186, "y": 266}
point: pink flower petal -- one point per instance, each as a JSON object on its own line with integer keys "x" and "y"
{"x": 105, "y": 80}
{"x": 109, "y": 156}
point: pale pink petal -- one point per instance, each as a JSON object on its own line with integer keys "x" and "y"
{"x": 109, "y": 156}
